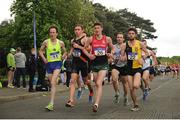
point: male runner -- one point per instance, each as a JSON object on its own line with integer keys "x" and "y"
{"x": 99, "y": 44}
{"x": 119, "y": 70}
{"x": 146, "y": 70}
{"x": 79, "y": 63}
{"x": 132, "y": 49}
{"x": 53, "y": 60}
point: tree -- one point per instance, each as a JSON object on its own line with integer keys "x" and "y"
{"x": 170, "y": 60}
{"x": 64, "y": 14}
{"x": 72, "y": 12}
{"x": 23, "y": 11}
{"x": 145, "y": 26}
{"x": 121, "y": 20}
{"x": 6, "y": 36}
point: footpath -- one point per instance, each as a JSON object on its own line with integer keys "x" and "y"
{"x": 12, "y": 94}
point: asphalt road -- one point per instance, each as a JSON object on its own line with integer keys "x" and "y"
{"x": 162, "y": 103}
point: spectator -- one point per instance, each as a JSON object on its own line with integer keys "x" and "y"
{"x": 41, "y": 69}
{"x": 11, "y": 67}
{"x": 68, "y": 66}
{"x": 20, "y": 59}
{"x": 31, "y": 69}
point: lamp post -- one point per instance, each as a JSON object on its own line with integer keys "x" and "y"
{"x": 34, "y": 27}
{"x": 34, "y": 30}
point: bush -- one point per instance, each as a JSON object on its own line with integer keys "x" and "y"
{"x": 3, "y": 71}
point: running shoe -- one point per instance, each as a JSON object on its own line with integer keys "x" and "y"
{"x": 69, "y": 104}
{"x": 126, "y": 103}
{"x": 91, "y": 97}
{"x": 116, "y": 100}
{"x": 79, "y": 94}
{"x": 10, "y": 86}
{"x": 145, "y": 94}
{"x": 49, "y": 107}
{"x": 135, "y": 108}
{"x": 95, "y": 108}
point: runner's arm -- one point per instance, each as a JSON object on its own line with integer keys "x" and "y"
{"x": 123, "y": 53}
{"x": 64, "y": 49}
{"x": 154, "y": 58}
{"x": 71, "y": 50}
{"x": 42, "y": 51}
{"x": 143, "y": 47}
{"x": 87, "y": 45}
{"x": 110, "y": 55}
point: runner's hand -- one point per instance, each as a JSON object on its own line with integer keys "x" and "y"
{"x": 64, "y": 57}
{"x": 45, "y": 61}
{"x": 92, "y": 57}
{"x": 76, "y": 46}
{"x": 69, "y": 56}
{"x": 109, "y": 55}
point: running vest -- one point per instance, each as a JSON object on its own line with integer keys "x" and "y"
{"x": 53, "y": 51}
{"x": 117, "y": 55}
{"x": 99, "y": 49}
{"x": 78, "y": 54}
{"x": 134, "y": 53}
{"x": 147, "y": 61}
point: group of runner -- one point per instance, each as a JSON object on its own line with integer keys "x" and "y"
{"x": 132, "y": 64}
{"x": 175, "y": 68}
{"x": 171, "y": 69}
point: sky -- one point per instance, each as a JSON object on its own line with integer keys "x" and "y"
{"x": 163, "y": 13}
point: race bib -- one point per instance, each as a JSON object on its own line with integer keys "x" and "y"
{"x": 100, "y": 51}
{"x": 147, "y": 61}
{"x": 54, "y": 55}
{"x": 132, "y": 56}
{"x": 76, "y": 53}
{"x": 116, "y": 57}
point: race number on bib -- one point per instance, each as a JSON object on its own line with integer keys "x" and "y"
{"x": 76, "y": 53}
{"x": 116, "y": 57}
{"x": 100, "y": 51}
{"x": 54, "y": 55}
{"x": 132, "y": 56}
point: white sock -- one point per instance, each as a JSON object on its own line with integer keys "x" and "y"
{"x": 79, "y": 89}
{"x": 52, "y": 102}
{"x": 117, "y": 93}
{"x": 96, "y": 105}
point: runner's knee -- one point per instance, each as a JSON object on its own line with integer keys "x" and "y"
{"x": 136, "y": 86}
{"x": 72, "y": 81}
{"x": 98, "y": 84}
{"x": 53, "y": 83}
{"x": 114, "y": 80}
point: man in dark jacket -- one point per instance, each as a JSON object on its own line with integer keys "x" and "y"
{"x": 31, "y": 69}
{"x": 68, "y": 66}
{"x": 42, "y": 84}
